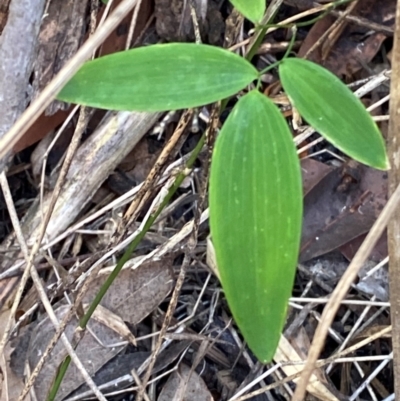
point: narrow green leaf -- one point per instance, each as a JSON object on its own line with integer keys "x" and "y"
{"x": 334, "y": 111}
{"x": 159, "y": 78}
{"x": 255, "y": 218}
{"x": 253, "y": 10}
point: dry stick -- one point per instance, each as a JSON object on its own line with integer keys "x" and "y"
{"x": 331, "y": 29}
{"x": 282, "y": 24}
{"x": 338, "y": 27}
{"x": 394, "y": 180}
{"x": 82, "y": 122}
{"x": 133, "y": 25}
{"x": 25, "y": 276}
{"x": 40, "y": 289}
{"x": 341, "y": 290}
{"x": 71, "y": 151}
{"x": 18, "y": 45}
{"x": 139, "y": 384}
{"x": 42, "y": 102}
{"x": 59, "y": 331}
{"x": 167, "y": 321}
{"x": 72, "y": 148}
{"x": 182, "y": 273}
{"x": 319, "y": 364}
{"x": 47, "y": 95}
{"x": 144, "y": 192}
{"x": 30, "y": 268}
{"x": 210, "y": 140}
{"x": 365, "y": 23}
{"x": 53, "y": 318}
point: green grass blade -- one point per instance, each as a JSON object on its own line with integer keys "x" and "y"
{"x": 255, "y": 218}
{"x": 334, "y": 111}
{"x": 253, "y": 10}
{"x": 159, "y": 78}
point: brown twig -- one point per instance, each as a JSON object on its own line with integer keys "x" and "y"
{"x": 182, "y": 273}
{"x": 319, "y": 364}
{"x": 44, "y": 99}
{"x": 394, "y": 181}
{"x": 341, "y": 290}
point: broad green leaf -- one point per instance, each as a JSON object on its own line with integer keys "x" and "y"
{"x": 159, "y": 78}
{"x": 334, "y": 111}
{"x": 253, "y": 10}
{"x": 255, "y": 218}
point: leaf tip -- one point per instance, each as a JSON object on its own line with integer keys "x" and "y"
{"x": 380, "y": 163}
{"x": 386, "y": 164}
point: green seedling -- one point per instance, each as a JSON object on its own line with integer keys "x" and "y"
{"x": 255, "y": 193}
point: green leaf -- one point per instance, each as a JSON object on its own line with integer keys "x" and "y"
{"x": 159, "y": 78}
{"x": 255, "y": 218}
{"x": 334, "y": 111}
{"x": 253, "y": 10}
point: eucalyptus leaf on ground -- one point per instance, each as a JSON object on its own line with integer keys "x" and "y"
{"x": 135, "y": 293}
{"x": 253, "y": 10}
{"x": 89, "y": 351}
{"x": 185, "y": 384}
{"x": 255, "y": 218}
{"x": 334, "y": 111}
{"x": 159, "y": 78}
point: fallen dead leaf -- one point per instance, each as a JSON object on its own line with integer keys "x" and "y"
{"x": 94, "y": 350}
{"x": 313, "y": 172}
{"x": 11, "y": 384}
{"x": 123, "y": 364}
{"x": 344, "y": 205}
{"x": 185, "y": 385}
{"x": 135, "y": 293}
{"x": 379, "y": 252}
{"x": 357, "y": 45}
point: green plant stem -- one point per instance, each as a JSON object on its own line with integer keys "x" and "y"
{"x": 270, "y": 67}
{"x": 276, "y": 64}
{"x": 125, "y": 257}
{"x": 253, "y": 50}
{"x": 263, "y": 28}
